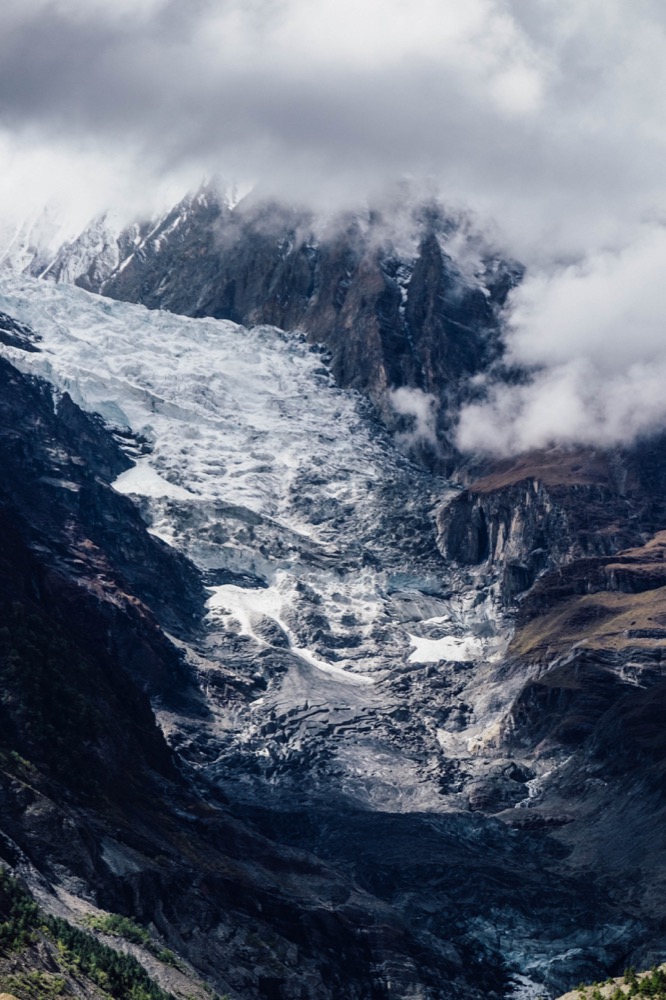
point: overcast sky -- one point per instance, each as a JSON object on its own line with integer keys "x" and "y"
{"x": 545, "y": 117}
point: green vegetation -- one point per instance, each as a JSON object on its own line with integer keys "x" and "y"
{"x": 36, "y": 985}
{"x": 650, "y": 984}
{"x": 19, "y": 915}
{"x": 117, "y": 974}
{"x": 78, "y": 953}
{"x": 119, "y": 926}
{"x": 167, "y": 956}
{"x": 129, "y": 930}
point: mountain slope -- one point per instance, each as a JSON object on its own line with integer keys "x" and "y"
{"x": 349, "y": 690}
{"x": 448, "y": 693}
{"x": 97, "y": 811}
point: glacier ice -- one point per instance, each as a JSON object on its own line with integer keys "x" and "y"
{"x": 314, "y": 532}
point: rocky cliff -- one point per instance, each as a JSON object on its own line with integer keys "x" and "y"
{"x": 571, "y": 542}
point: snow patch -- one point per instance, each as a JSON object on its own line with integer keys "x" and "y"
{"x": 143, "y": 480}
{"x": 246, "y": 606}
{"x": 455, "y": 650}
{"x": 523, "y": 988}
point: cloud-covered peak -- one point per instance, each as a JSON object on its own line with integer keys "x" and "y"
{"x": 546, "y": 117}
{"x": 542, "y": 117}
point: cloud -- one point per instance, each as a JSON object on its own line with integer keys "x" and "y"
{"x": 546, "y": 116}
{"x": 594, "y": 334}
{"x": 542, "y": 116}
{"x": 420, "y": 408}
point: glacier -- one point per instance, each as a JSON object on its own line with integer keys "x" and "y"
{"x": 315, "y": 535}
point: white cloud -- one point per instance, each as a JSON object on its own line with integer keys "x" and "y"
{"x": 77, "y": 181}
{"x": 421, "y": 408}
{"x": 596, "y": 333}
{"x": 327, "y": 99}
{"x": 545, "y": 116}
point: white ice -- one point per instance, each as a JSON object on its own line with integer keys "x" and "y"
{"x": 234, "y": 414}
{"x": 448, "y": 648}
{"x": 143, "y": 480}
{"x": 523, "y": 988}
{"x": 246, "y": 605}
{"x": 456, "y": 650}
{"x": 238, "y": 417}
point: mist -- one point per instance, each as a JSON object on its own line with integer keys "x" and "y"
{"x": 420, "y": 409}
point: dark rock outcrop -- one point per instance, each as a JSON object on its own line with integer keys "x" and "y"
{"x": 572, "y": 544}
{"x": 16, "y": 334}
{"x": 543, "y": 512}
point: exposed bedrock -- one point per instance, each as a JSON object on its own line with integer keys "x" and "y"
{"x": 543, "y": 511}
{"x": 572, "y": 546}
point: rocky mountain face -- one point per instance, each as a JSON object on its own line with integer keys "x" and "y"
{"x": 574, "y": 543}
{"x": 402, "y": 295}
{"x": 408, "y": 742}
